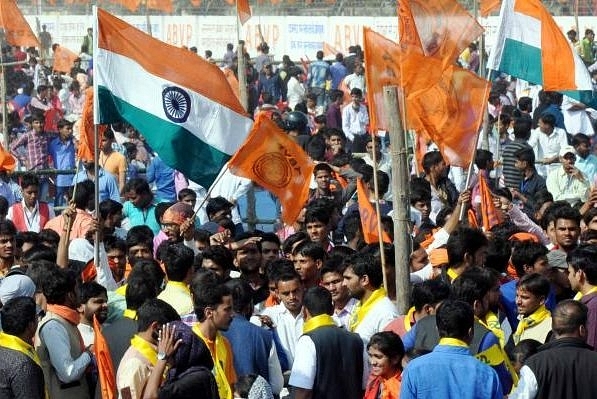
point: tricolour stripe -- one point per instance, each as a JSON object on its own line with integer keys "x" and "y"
{"x": 174, "y": 64}
{"x": 208, "y": 120}
{"x": 178, "y": 147}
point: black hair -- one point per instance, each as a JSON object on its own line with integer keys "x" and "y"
{"x": 523, "y": 350}
{"x": 365, "y": 264}
{"x": 57, "y": 284}
{"x": 462, "y": 241}
{"x": 568, "y": 316}
{"x": 7, "y": 228}
{"x": 150, "y": 270}
{"x": 29, "y": 179}
{"x": 431, "y": 159}
{"x": 292, "y": 240}
{"x": 139, "y": 290}
{"x": 84, "y": 194}
{"x": 454, "y": 319}
{"x": 429, "y": 292}
{"x": 160, "y": 209}
{"x": 17, "y": 314}
{"x": 155, "y": 310}
{"x": 138, "y": 186}
{"x": 139, "y": 235}
{"x": 185, "y": 192}
{"x": 49, "y": 236}
{"x": 388, "y": 343}
{"x": 525, "y": 155}
{"x": 178, "y": 259}
{"x": 109, "y": 207}
{"x": 471, "y": 286}
{"x": 534, "y": 283}
{"x": 216, "y": 204}
{"x": 310, "y": 249}
{"x": 526, "y": 253}
{"x": 318, "y": 301}
{"x": 278, "y": 267}
{"x": 242, "y": 295}
{"x": 270, "y": 237}
{"x": 207, "y": 295}
{"x": 220, "y": 255}
{"x": 584, "y": 257}
{"x": 317, "y": 214}
{"x": 90, "y": 290}
{"x": 112, "y": 242}
{"x": 483, "y": 158}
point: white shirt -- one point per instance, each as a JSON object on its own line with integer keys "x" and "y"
{"x": 527, "y": 387}
{"x": 31, "y": 217}
{"x": 232, "y": 188}
{"x": 354, "y": 122}
{"x": 295, "y": 92}
{"x": 353, "y": 80}
{"x": 565, "y": 187}
{"x": 378, "y": 317}
{"x": 342, "y": 318}
{"x": 547, "y": 147}
{"x": 87, "y": 333}
{"x": 576, "y": 121}
{"x": 288, "y": 327}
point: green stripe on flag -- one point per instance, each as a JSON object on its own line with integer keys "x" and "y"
{"x": 522, "y": 61}
{"x": 176, "y": 146}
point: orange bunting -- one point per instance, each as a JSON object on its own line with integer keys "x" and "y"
{"x": 105, "y": 367}
{"x": 243, "y": 10}
{"x": 445, "y": 28}
{"x": 273, "y": 160}
{"x": 16, "y": 29}
{"x": 369, "y": 221}
{"x": 487, "y": 6}
{"x": 63, "y": 59}
{"x": 162, "y": 5}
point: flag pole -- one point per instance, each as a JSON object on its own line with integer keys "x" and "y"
{"x": 96, "y": 148}
{"x": 472, "y": 162}
{"x": 211, "y": 188}
{"x": 400, "y": 198}
{"x": 382, "y": 253}
{"x": 240, "y": 65}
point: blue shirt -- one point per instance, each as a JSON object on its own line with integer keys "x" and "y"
{"x": 163, "y": 177}
{"x": 319, "y": 71}
{"x": 338, "y": 72}
{"x": 63, "y": 155}
{"x": 588, "y": 166}
{"x": 108, "y": 188}
{"x": 139, "y": 217}
{"x": 449, "y": 372}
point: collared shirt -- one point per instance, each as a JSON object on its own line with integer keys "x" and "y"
{"x": 163, "y": 177}
{"x": 319, "y": 71}
{"x": 588, "y": 166}
{"x": 354, "y": 123}
{"x": 288, "y": 328}
{"x": 63, "y": 156}
{"x": 547, "y": 147}
{"x": 342, "y": 317}
{"x": 338, "y": 72}
{"x": 31, "y": 217}
{"x": 87, "y": 333}
{"x": 565, "y": 187}
{"x": 355, "y": 81}
{"x": 81, "y": 225}
{"x": 138, "y": 217}
{"x": 108, "y": 187}
{"x": 378, "y": 317}
{"x": 37, "y": 149}
{"x": 133, "y": 373}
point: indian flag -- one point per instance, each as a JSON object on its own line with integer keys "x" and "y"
{"x": 531, "y": 46}
{"x": 180, "y": 103}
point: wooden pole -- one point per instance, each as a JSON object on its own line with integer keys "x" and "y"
{"x": 382, "y": 253}
{"x": 5, "y": 134}
{"x": 242, "y": 75}
{"x": 400, "y": 198}
{"x": 96, "y": 243}
{"x": 576, "y": 19}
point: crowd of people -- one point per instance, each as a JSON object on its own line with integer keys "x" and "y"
{"x": 191, "y": 303}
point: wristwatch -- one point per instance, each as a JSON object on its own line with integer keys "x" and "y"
{"x": 162, "y": 356}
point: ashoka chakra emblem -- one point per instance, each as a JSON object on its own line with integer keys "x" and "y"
{"x": 177, "y": 104}
{"x": 273, "y": 169}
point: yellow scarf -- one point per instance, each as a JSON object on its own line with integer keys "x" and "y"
{"x": 579, "y": 294}
{"x": 180, "y": 285}
{"x": 15, "y": 343}
{"x": 451, "y": 274}
{"x": 218, "y": 355}
{"x": 362, "y": 309}
{"x": 492, "y": 323}
{"x": 408, "y": 318}
{"x": 527, "y": 322}
{"x": 146, "y": 349}
{"x": 323, "y": 320}
{"x": 130, "y": 314}
{"x": 453, "y": 342}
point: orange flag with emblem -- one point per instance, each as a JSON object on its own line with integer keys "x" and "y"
{"x": 244, "y": 10}
{"x": 273, "y": 160}
{"x": 63, "y": 59}
{"x": 16, "y": 29}
{"x": 105, "y": 367}
{"x": 445, "y": 28}
{"x": 368, "y": 216}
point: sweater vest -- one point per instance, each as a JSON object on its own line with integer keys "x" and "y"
{"x": 56, "y": 388}
{"x": 18, "y": 216}
{"x": 339, "y": 363}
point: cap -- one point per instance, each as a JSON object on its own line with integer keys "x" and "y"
{"x": 177, "y": 213}
{"x": 567, "y": 150}
{"x": 557, "y": 259}
{"x": 16, "y": 285}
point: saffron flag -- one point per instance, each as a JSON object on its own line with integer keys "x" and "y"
{"x": 447, "y": 105}
{"x": 489, "y": 215}
{"x": 7, "y": 160}
{"x": 162, "y": 5}
{"x": 408, "y": 36}
{"x": 243, "y": 10}
{"x": 445, "y": 28}
{"x": 531, "y": 46}
{"x": 105, "y": 367}
{"x": 368, "y": 216}
{"x": 86, "y": 146}
{"x": 270, "y": 158}
{"x": 63, "y": 59}
{"x": 182, "y": 104}
{"x": 487, "y": 6}
{"x": 16, "y": 29}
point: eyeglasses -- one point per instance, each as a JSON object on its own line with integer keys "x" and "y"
{"x": 168, "y": 226}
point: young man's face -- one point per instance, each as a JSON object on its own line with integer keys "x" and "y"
{"x": 30, "y": 194}
{"x": 322, "y": 178}
{"x": 566, "y": 233}
{"x": 222, "y": 314}
{"x": 424, "y": 207}
{"x": 332, "y": 282}
{"x": 248, "y": 258}
{"x": 269, "y": 251}
{"x": 139, "y": 251}
{"x": 7, "y": 247}
{"x": 527, "y": 302}
{"x": 66, "y": 132}
{"x": 190, "y": 200}
{"x": 117, "y": 262}
{"x": 317, "y": 231}
{"x": 97, "y": 306}
{"x": 37, "y": 126}
{"x": 307, "y": 267}
{"x": 291, "y": 294}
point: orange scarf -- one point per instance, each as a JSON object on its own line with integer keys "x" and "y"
{"x": 68, "y": 314}
{"x": 381, "y": 388}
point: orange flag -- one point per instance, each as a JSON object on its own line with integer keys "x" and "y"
{"x": 329, "y": 50}
{"x": 196, "y": 3}
{"x": 7, "y": 160}
{"x": 105, "y": 367}
{"x": 368, "y": 216}
{"x": 270, "y": 158}
{"x": 244, "y": 10}
{"x": 162, "y": 5}
{"x": 487, "y": 6}
{"x": 232, "y": 81}
{"x": 408, "y": 36}
{"x": 17, "y": 30}
{"x": 445, "y": 28}
{"x": 86, "y": 149}
{"x": 489, "y": 214}
{"x": 446, "y": 105}
{"x": 63, "y": 59}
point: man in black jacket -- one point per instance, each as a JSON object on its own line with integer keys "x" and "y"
{"x": 566, "y": 366}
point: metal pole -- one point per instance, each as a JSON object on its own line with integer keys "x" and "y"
{"x": 242, "y": 73}
{"x": 401, "y": 207}
{"x": 5, "y": 134}
{"x": 382, "y": 253}
{"x": 96, "y": 193}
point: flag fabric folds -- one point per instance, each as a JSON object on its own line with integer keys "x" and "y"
{"x": 16, "y": 29}
{"x": 271, "y": 159}
{"x": 63, "y": 59}
{"x": 531, "y": 46}
{"x": 244, "y": 10}
{"x": 105, "y": 367}
{"x": 445, "y": 28}
{"x": 162, "y": 5}
{"x": 368, "y": 216}
{"x": 489, "y": 215}
{"x": 487, "y": 6}
{"x": 86, "y": 147}
{"x": 408, "y": 36}
{"x": 182, "y": 104}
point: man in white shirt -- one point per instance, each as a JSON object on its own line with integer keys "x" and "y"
{"x": 547, "y": 141}
{"x": 354, "y": 122}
